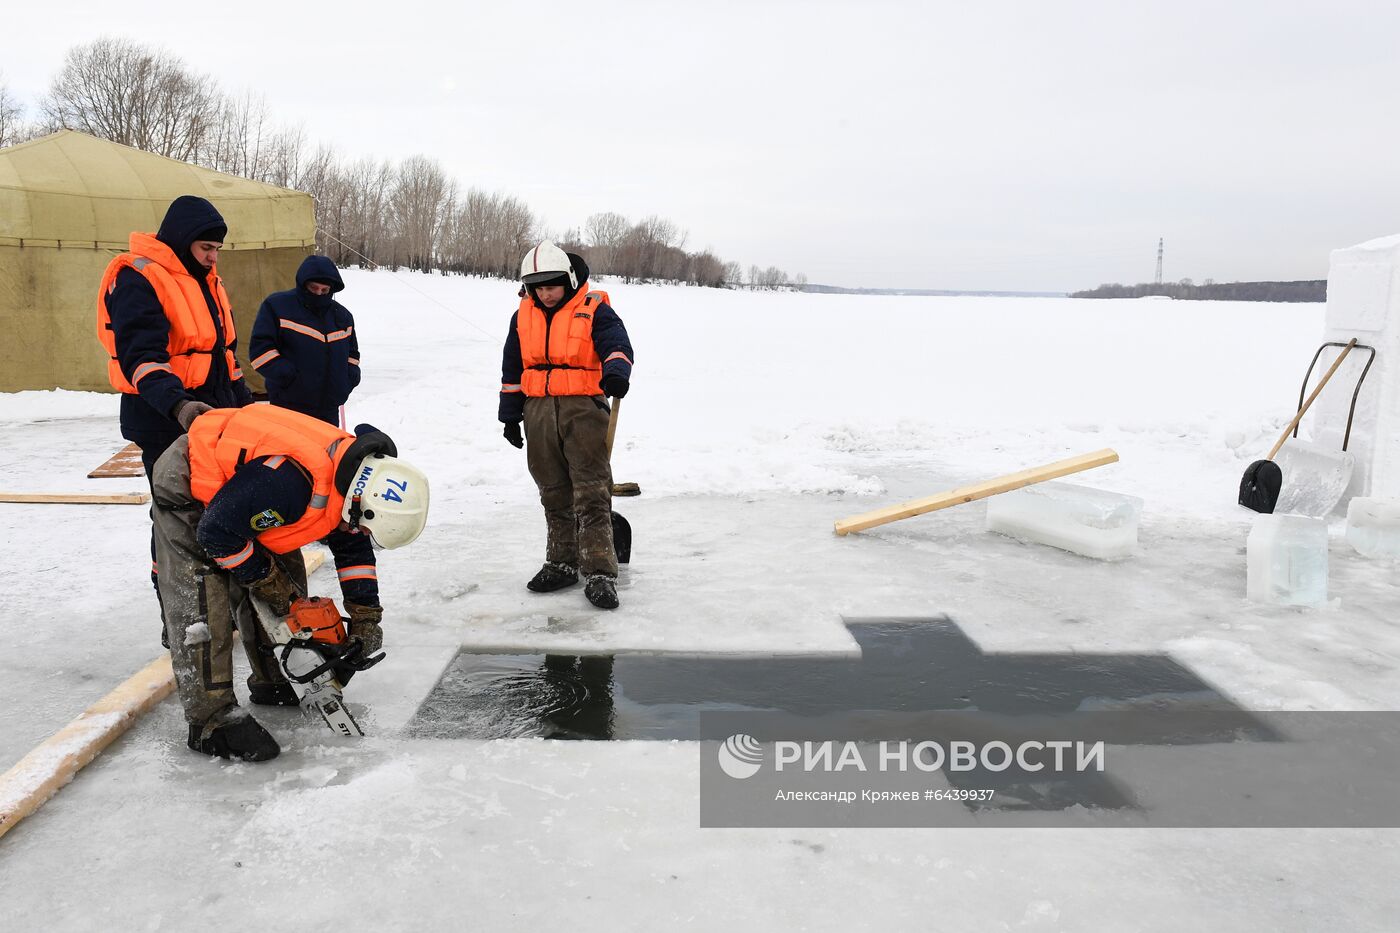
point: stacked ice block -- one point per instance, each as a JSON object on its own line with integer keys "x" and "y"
{"x": 1286, "y": 557}
{"x": 1080, "y": 519}
{"x": 1373, "y": 526}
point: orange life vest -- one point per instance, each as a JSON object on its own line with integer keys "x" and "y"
{"x": 192, "y": 333}
{"x": 558, "y": 352}
{"x": 223, "y": 439}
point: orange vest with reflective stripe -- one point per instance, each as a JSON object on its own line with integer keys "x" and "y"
{"x": 192, "y": 333}
{"x": 558, "y": 352}
{"x": 224, "y": 439}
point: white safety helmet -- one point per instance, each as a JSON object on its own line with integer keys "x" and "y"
{"x": 388, "y": 498}
{"x": 545, "y": 262}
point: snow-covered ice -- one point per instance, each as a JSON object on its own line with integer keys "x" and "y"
{"x": 755, "y": 421}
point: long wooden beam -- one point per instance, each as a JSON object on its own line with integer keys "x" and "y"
{"x": 78, "y": 498}
{"x": 979, "y": 491}
{"x": 39, "y": 775}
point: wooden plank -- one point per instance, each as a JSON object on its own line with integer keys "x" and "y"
{"x": 44, "y": 771}
{"x": 78, "y": 498}
{"x": 40, "y": 774}
{"x": 314, "y": 559}
{"x": 125, "y": 462}
{"x": 978, "y": 491}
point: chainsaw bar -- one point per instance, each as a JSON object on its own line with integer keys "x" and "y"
{"x": 330, "y": 703}
{"x": 322, "y": 692}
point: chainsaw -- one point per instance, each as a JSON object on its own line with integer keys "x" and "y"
{"x": 318, "y": 660}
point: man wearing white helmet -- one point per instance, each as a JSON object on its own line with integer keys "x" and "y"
{"x": 235, "y": 499}
{"x": 566, "y": 350}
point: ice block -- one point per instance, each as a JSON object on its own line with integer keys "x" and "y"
{"x": 1080, "y": 519}
{"x": 1373, "y": 526}
{"x": 1286, "y": 559}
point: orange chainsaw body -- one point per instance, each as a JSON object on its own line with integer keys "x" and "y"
{"x": 320, "y": 618}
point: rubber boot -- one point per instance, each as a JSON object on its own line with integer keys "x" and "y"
{"x": 233, "y": 734}
{"x": 601, "y": 590}
{"x": 552, "y": 576}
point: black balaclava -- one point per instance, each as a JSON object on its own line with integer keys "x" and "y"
{"x": 317, "y": 302}
{"x": 318, "y": 269}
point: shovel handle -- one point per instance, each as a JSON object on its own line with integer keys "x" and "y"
{"x": 1306, "y": 405}
{"x": 612, "y": 422}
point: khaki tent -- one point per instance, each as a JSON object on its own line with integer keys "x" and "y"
{"x": 67, "y": 204}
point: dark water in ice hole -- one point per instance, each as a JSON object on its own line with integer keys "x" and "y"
{"x": 905, "y": 666}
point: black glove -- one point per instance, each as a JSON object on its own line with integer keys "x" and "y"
{"x": 275, "y": 589}
{"x": 188, "y": 410}
{"x": 615, "y": 386}
{"x": 512, "y": 434}
{"x": 364, "y": 625}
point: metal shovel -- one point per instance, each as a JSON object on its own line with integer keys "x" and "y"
{"x": 1307, "y": 478}
{"x": 1314, "y": 477}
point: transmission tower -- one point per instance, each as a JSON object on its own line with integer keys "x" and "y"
{"x": 1159, "y": 261}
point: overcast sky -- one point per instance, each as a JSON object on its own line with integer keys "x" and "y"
{"x": 982, "y": 145}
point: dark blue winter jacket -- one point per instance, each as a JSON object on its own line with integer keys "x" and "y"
{"x": 305, "y": 346}
{"x": 142, "y": 334}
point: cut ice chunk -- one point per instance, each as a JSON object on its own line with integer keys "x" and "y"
{"x": 1287, "y": 560}
{"x": 1373, "y": 526}
{"x": 1079, "y": 519}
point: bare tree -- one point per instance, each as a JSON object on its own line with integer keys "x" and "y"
{"x": 131, "y": 94}
{"x": 236, "y": 144}
{"x": 355, "y": 209}
{"x": 707, "y": 269}
{"x": 671, "y": 264}
{"x": 421, "y": 200}
{"x": 282, "y": 161}
{"x": 12, "y": 128}
{"x": 733, "y": 275}
{"x": 771, "y": 278}
{"x": 604, "y": 234}
{"x": 318, "y": 173}
{"x": 488, "y": 234}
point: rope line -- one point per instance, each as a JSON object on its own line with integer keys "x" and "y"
{"x": 406, "y": 284}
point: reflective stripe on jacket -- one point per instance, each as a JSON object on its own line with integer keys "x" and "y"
{"x": 224, "y": 439}
{"x": 557, "y": 349}
{"x": 193, "y": 336}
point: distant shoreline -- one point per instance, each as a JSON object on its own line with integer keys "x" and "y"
{"x": 926, "y": 292}
{"x": 1301, "y": 291}
{"x": 1314, "y": 290}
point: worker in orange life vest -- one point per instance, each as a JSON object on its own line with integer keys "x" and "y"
{"x": 166, "y": 324}
{"x": 566, "y": 351}
{"x": 235, "y": 499}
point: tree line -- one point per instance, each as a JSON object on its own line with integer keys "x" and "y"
{"x": 1313, "y": 290}
{"x": 410, "y": 214}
